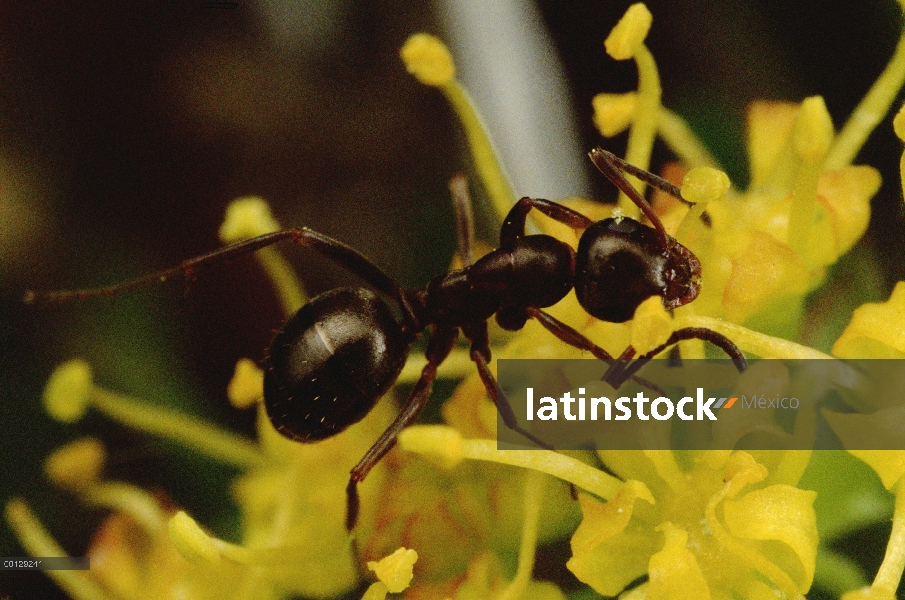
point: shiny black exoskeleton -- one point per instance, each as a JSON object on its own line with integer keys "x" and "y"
{"x": 334, "y": 359}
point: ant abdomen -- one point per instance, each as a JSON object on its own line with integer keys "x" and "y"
{"x": 331, "y": 362}
{"x": 627, "y": 256}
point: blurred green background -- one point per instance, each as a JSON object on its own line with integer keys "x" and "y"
{"x": 126, "y": 128}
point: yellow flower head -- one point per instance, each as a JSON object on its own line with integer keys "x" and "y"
{"x": 719, "y": 527}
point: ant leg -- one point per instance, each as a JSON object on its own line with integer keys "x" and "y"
{"x": 458, "y": 188}
{"x": 687, "y": 333}
{"x": 187, "y": 269}
{"x": 438, "y": 348}
{"x": 615, "y": 372}
{"x": 569, "y": 336}
{"x": 514, "y": 223}
{"x": 480, "y": 354}
{"x": 577, "y": 340}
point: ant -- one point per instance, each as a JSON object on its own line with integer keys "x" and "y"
{"x": 340, "y": 353}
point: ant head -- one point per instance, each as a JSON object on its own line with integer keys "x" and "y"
{"x": 621, "y": 263}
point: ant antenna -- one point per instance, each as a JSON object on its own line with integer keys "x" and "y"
{"x": 611, "y": 165}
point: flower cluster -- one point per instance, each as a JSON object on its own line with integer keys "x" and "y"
{"x": 446, "y": 514}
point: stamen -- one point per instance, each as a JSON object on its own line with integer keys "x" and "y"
{"x": 811, "y": 138}
{"x": 627, "y": 37}
{"x": 870, "y": 111}
{"x": 428, "y": 59}
{"x": 191, "y": 541}
{"x": 751, "y": 341}
{"x": 70, "y": 391}
{"x": 676, "y": 134}
{"x": 651, "y": 325}
{"x": 140, "y": 505}
{"x": 250, "y": 217}
{"x": 533, "y": 498}
{"x": 705, "y": 184}
{"x": 898, "y": 125}
{"x": 559, "y": 465}
{"x": 439, "y": 444}
{"x": 668, "y": 469}
{"x": 614, "y": 113}
{"x": 76, "y": 465}
{"x": 457, "y": 365}
{"x": 627, "y": 41}
{"x": 246, "y": 388}
{"x": 38, "y": 542}
{"x": 376, "y": 591}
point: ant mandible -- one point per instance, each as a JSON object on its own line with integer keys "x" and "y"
{"x": 340, "y": 353}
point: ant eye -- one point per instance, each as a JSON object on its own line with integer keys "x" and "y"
{"x": 621, "y": 264}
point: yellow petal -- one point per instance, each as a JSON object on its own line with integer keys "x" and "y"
{"x": 769, "y": 126}
{"x": 607, "y": 553}
{"x": 674, "y": 571}
{"x": 888, "y": 464}
{"x": 845, "y": 194}
{"x": 741, "y": 471}
{"x": 779, "y": 513}
{"x": 876, "y": 330}
{"x": 765, "y": 274}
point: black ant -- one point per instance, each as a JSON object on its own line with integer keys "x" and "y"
{"x": 340, "y": 353}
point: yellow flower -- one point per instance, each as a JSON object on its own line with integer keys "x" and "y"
{"x": 291, "y": 497}
{"x": 690, "y": 525}
{"x": 719, "y": 527}
{"x": 806, "y": 205}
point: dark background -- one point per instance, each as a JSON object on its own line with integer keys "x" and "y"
{"x": 126, "y": 128}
